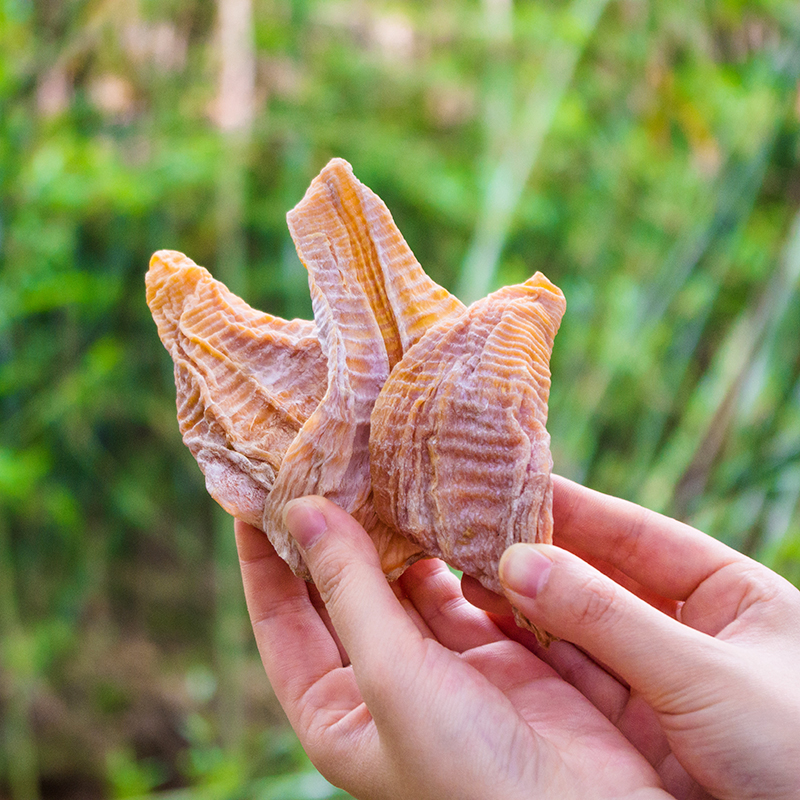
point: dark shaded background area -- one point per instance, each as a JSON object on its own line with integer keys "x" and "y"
{"x": 645, "y": 156}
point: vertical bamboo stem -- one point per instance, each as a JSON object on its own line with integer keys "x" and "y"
{"x": 235, "y": 112}
{"x": 498, "y": 91}
{"x": 513, "y": 168}
{"x": 235, "y": 109}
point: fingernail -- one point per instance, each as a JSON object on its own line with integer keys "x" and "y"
{"x": 524, "y": 569}
{"x": 304, "y": 521}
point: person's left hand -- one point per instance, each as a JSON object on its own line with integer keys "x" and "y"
{"x": 408, "y": 691}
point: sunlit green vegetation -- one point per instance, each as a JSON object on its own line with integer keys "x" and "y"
{"x": 645, "y": 156}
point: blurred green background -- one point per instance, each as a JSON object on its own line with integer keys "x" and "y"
{"x": 644, "y": 155}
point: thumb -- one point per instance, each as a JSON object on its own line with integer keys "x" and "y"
{"x": 655, "y": 654}
{"x": 346, "y": 570}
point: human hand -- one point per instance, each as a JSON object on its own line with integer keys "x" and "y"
{"x": 707, "y": 640}
{"x": 408, "y": 691}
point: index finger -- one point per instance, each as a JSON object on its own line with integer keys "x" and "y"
{"x": 668, "y": 557}
{"x": 386, "y": 646}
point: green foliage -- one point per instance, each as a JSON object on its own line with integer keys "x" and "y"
{"x": 646, "y": 157}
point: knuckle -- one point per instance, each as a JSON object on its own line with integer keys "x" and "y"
{"x": 628, "y": 543}
{"x": 332, "y": 574}
{"x": 762, "y": 591}
{"x": 596, "y": 604}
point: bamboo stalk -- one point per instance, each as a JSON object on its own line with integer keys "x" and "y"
{"x": 498, "y": 99}
{"x": 512, "y": 169}
{"x": 716, "y": 397}
{"x": 235, "y": 110}
{"x": 735, "y": 203}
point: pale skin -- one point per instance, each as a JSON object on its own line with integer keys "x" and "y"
{"x": 410, "y": 691}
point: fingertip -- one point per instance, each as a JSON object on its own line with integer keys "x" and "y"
{"x": 305, "y": 520}
{"x": 524, "y": 569}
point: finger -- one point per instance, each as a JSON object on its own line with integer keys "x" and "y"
{"x": 436, "y": 594}
{"x": 653, "y": 653}
{"x": 498, "y": 605}
{"x": 319, "y": 606}
{"x": 668, "y": 557}
{"x": 411, "y": 610}
{"x": 567, "y": 659}
{"x": 601, "y": 688}
{"x": 570, "y": 668}
{"x": 635, "y": 720}
{"x": 595, "y": 680}
{"x": 481, "y": 597}
{"x": 415, "y": 617}
{"x": 666, "y": 604}
{"x": 295, "y": 645}
{"x": 371, "y": 623}
{"x": 641, "y": 726}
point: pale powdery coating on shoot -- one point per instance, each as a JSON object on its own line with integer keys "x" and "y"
{"x": 396, "y": 388}
{"x": 459, "y": 451}
{"x": 274, "y": 410}
{"x": 246, "y": 381}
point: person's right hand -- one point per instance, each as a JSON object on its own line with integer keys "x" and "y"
{"x": 720, "y": 669}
